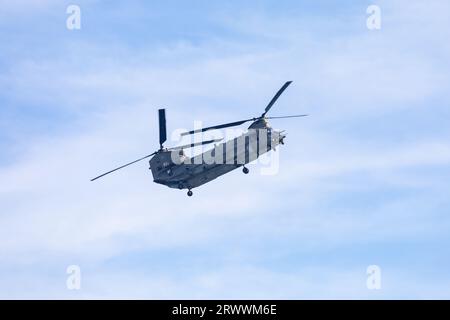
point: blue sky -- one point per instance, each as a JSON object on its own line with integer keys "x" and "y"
{"x": 362, "y": 181}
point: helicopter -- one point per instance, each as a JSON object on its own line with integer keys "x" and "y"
{"x": 173, "y": 168}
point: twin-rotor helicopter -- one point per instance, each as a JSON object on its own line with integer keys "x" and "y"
{"x": 171, "y": 167}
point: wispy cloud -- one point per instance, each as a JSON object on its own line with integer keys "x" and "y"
{"x": 367, "y": 169}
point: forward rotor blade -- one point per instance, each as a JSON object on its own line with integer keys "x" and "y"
{"x": 125, "y": 165}
{"x": 283, "y": 117}
{"x": 238, "y": 123}
{"x": 195, "y": 144}
{"x": 220, "y": 126}
{"x": 162, "y": 127}
{"x": 275, "y": 98}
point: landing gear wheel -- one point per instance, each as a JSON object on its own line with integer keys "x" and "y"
{"x": 245, "y": 170}
{"x": 189, "y": 193}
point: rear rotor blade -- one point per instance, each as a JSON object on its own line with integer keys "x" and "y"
{"x": 284, "y": 117}
{"x": 195, "y": 144}
{"x": 275, "y": 98}
{"x": 162, "y": 127}
{"x": 220, "y": 126}
{"x": 125, "y": 165}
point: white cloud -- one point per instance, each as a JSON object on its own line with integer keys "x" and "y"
{"x": 52, "y": 213}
